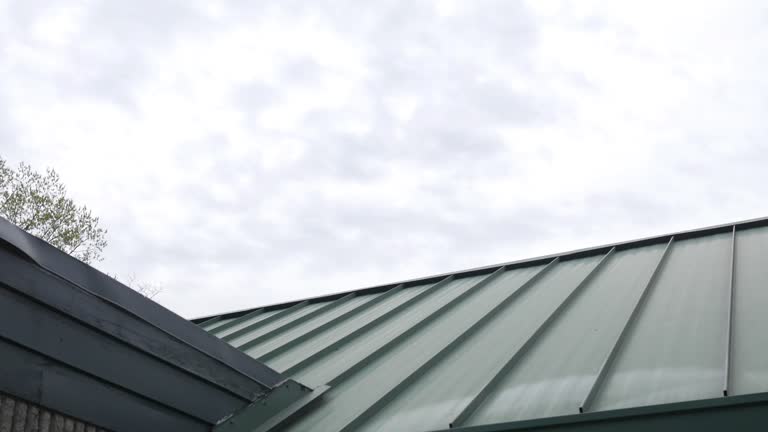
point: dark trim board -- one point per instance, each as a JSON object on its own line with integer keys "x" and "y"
{"x": 25, "y": 279}
{"x": 564, "y": 256}
{"x": 75, "y": 341}
{"x": 85, "y": 349}
{"x": 44, "y": 381}
{"x": 118, "y": 296}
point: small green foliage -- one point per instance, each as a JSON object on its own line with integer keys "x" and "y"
{"x": 38, "y": 203}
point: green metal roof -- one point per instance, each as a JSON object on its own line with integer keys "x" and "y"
{"x": 657, "y": 322}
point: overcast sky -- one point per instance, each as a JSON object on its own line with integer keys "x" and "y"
{"x": 261, "y": 151}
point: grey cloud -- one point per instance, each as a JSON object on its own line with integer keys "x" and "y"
{"x": 470, "y": 75}
{"x": 254, "y": 97}
{"x": 451, "y": 130}
{"x": 456, "y": 114}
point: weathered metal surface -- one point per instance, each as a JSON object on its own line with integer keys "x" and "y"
{"x": 655, "y": 327}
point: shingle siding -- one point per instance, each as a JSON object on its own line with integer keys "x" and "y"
{"x": 17, "y": 415}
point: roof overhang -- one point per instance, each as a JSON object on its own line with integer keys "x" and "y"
{"x": 74, "y": 340}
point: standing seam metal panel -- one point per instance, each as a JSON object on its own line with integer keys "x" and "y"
{"x": 414, "y": 360}
{"x": 750, "y": 313}
{"x": 305, "y": 325}
{"x": 436, "y": 399}
{"x": 668, "y": 359}
{"x": 363, "y": 389}
{"x": 325, "y": 369}
{"x": 345, "y": 330}
{"x": 556, "y": 375}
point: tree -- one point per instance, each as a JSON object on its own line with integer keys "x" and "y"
{"x": 38, "y": 203}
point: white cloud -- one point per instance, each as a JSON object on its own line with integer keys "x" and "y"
{"x": 259, "y": 152}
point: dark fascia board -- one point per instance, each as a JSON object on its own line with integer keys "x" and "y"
{"x": 51, "y": 297}
{"x": 109, "y": 290}
{"x": 743, "y": 413}
{"x": 564, "y": 256}
{"x": 91, "y": 351}
{"x": 44, "y": 381}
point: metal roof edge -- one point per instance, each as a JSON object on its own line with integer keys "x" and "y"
{"x": 276, "y": 408}
{"x": 587, "y": 420}
{"x": 108, "y": 290}
{"x": 72, "y": 304}
{"x": 576, "y": 253}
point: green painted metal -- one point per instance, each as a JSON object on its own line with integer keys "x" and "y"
{"x": 305, "y": 319}
{"x": 273, "y": 408}
{"x": 586, "y": 405}
{"x": 674, "y": 351}
{"x": 266, "y": 322}
{"x": 223, "y": 324}
{"x": 481, "y": 395}
{"x": 569, "y": 354}
{"x": 449, "y": 348}
{"x": 729, "y": 320}
{"x": 366, "y": 303}
{"x": 209, "y": 323}
{"x": 365, "y": 329}
{"x": 660, "y": 333}
{"x": 476, "y": 285}
{"x": 749, "y": 355}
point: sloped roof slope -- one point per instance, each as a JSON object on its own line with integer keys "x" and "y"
{"x": 672, "y": 323}
{"x": 80, "y": 344}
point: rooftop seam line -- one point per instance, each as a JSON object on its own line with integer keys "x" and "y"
{"x": 321, "y": 328}
{"x": 480, "y": 397}
{"x": 452, "y": 345}
{"x": 210, "y": 321}
{"x": 395, "y": 341}
{"x": 236, "y": 321}
{"x": 367, "y": 327}
{"x": 729, "y": 321}
{"x": 270, "y": 319}
{"x": 295, "y": 322}
{"x": 606, "y": 365}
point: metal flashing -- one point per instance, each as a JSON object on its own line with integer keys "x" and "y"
{"x": 269, "y": 412}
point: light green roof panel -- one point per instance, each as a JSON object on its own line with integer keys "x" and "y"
{"x": 677, "y": 350}
{"x": 558, "y": 371}
{"x": 633, "y": 327}
{"x": 749, "y": 368}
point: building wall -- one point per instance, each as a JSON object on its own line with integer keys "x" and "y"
{"x": 17, "y": 415}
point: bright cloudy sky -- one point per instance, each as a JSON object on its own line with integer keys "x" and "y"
{"x": 247, "y": 153}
